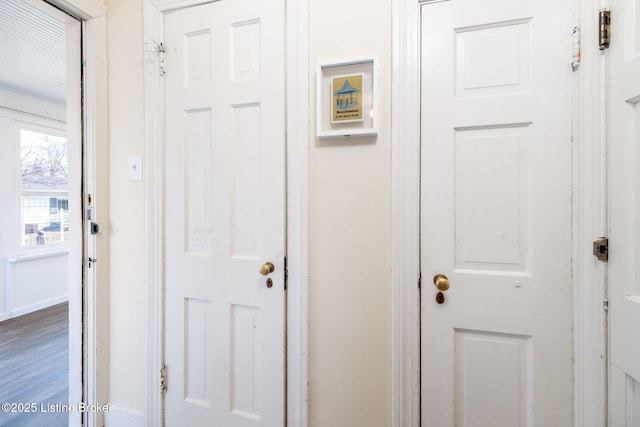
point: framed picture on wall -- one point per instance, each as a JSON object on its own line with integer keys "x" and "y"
{"x": 346, "y": 98}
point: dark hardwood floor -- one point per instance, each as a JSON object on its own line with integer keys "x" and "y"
{"x": 34, "y": 367}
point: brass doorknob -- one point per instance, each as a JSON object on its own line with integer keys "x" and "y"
{"x": 267, "y": 268}
{"x": 441, "y": 282}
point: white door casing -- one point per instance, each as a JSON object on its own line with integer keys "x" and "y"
{"x": 225, "y": 190}
{"x": 496, "y": 213}
{"x": 624, "y": 214}
{"x": 76, "y": 222}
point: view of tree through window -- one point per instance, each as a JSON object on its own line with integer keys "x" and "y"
{"x": 45, "y": 206}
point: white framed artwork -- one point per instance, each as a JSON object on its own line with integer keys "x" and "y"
{"x": 346, "y": 98}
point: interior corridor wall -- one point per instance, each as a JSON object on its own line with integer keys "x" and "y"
{"x": 349, "y": 248}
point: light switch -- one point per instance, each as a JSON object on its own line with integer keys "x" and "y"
{"x": 135, "y": 168}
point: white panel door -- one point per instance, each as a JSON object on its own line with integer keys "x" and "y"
{"x": 496, "y": 213}
{"x": 225, "y": 146}
{"x": 624, "y": 192}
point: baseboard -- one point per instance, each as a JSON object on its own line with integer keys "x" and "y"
{"x": 39, "y": 306}
{"x": 120, "y": 417}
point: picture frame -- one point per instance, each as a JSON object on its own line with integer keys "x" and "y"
{"x": 346, "y": 98}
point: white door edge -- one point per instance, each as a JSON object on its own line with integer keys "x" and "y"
{"x": 297, "y": 112}
{"x": 96, "y": 370}
{"x": 589, "y": 221}
{"x": 153, "y": 22}
{"x": 297, "y": 214}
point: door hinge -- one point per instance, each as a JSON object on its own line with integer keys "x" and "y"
{"x": 163, "y": 378}
{"x": 575, "y": 49}
{"x": 420, "y": 281}
{"x": 91, "y": 261}
{"x": 601, "y": 249}
{"x": 162, "y": 56}
{"x": 605, "y": 305}
{"x": 604, "y": 25}
{"x": 158, "y": 49}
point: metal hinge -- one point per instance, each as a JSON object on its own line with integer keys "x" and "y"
{"x": 162, "y": 56}
{"x": 159, "y": 49}
{"x": 420, "y": 281}
{"x": 163, "y": 378}
{"x": 601, "y": 249}
{"x": 575, "y": 48}
{"x": 604, "y": 25}
{"x": 605, "y": 304}
{"x": 91, "y": 261}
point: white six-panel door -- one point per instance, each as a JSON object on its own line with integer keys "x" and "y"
{"x": 225, "y": 204}
{"x": 496, "y": 213}
{"x": 624, "y": 197}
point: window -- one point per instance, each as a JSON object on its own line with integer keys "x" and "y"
{"x": 44, "y": 188}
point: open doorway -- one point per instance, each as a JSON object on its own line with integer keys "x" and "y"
{"x": 41, "y": 169}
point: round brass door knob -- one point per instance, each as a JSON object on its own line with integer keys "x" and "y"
{"x": 441, "y": 282}
{"x": 267, "y": 268}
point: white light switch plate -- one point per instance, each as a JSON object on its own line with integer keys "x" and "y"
{"x": 135, "y": 168}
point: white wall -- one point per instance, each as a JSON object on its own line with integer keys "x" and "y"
{"x": 128, "y": 296}
{"x": 36, "y": 281}
{"x": 349, "y": 358}
{"x": 349, "y": 295}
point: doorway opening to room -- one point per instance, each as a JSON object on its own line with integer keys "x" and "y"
{"x": 41, "y": 224}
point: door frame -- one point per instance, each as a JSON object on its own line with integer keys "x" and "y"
{"x": 589, "y": 217}
{"x": 297, "y": 160}
{"x": 91, "y": 300}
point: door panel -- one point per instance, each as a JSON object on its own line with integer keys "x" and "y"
{"x": 496, "y": 213}
{"x": 624, "y": 237}
{"x": 225, "y": 214}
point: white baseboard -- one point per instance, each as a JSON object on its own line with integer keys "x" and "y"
{"x": 35, "y": 307}
{"x": 121, "y": 417}
{"x": 31, "y": 308}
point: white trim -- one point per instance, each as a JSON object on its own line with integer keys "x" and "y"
{"x": 38, "y": 255}
{"x": 297, "y": 202}
{"x": 121, "y": 417}
{"x": 96, "y": 288}
{"x": 590, "y": 222}
{"x": 39, "y": 306}
{"x": 298, "y": 128}
{"x": 405, "y": 218}
{"x": 165, "y": 6}
{"x": 21, "y": 103}
{"x": 153, "y": 20}
{"x": 95, "y": 299}
{"x": 85, "y": 10}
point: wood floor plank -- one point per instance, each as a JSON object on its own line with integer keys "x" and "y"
{"x": 34, "y": 366}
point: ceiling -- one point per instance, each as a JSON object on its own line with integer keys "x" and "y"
{"x": 33, "y": 49}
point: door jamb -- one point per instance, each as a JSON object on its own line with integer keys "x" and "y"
{"x": 297, "y": 152}
{"x": 95, "y": 301}
{"x": 405, "y": 218}
{"x": 589, "y": 219}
